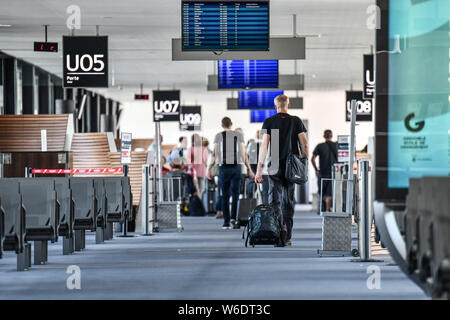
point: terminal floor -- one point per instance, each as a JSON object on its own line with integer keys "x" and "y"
{"x": 204, "y": 262}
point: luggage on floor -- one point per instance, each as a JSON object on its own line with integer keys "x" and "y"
{"x": 196, "y": 208}
{"x": 209, "y": 197}
{"x": 244, "y": 208}
{"x": 264, "y": 227}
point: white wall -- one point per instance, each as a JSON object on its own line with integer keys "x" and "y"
{"x": 322, "y": 109}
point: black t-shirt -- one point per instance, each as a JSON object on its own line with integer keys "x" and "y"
{"x": 229, "y": 147}
{"x": 253, "y": 154}
{"x": 327, "y": 153}
{"x": 282, "y": 123}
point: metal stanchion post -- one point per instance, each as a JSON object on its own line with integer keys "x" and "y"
{"x": 125, "y": 223}
{"x": 159, "y": 193}
{"x": 365, "y": 212}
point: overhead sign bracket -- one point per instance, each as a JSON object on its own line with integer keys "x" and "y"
{"x": 281, "y": 48}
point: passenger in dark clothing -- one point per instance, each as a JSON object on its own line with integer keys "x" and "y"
{"x": 327, "y": 153}
{"x": 230, "y": 150}
{"x": 276, "y": 131}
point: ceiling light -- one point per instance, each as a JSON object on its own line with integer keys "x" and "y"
{"x": 107, "y": 17}
{"x": 5, "y": 26}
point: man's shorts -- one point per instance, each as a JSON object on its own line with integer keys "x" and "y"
{"x": 326, "y": 185}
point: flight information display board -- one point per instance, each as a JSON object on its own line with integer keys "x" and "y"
{"x": 225, "y": 25}
{"x": 261, "y": 115}
{"x": 248, "y": 74}
{"x": 257, "y": 99}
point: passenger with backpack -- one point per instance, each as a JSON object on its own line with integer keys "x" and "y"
{"x": 230, "y": 150}
{"x": 288, "y": 155}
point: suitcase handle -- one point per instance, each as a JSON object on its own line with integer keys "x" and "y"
{"x": 259, "y": 196}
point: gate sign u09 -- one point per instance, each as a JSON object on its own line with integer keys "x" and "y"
{"x": 364, "y": 108}
{"x": 166, "y": 106}
{"x": 85, "y": 61}
{"x": 191, "y": 118}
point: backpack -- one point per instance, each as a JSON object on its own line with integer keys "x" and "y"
{"x": 263, "y": 227}
{"x": 195, "y": 207}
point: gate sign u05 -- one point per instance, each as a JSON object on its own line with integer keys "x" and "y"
{"x": 191, "y": 118}
{"x": 85, "y": 61}
{"x": 166, "y": 105}
{"x": 364, "y": 108}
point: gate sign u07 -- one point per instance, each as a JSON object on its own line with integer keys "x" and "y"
{"x": 191, "y": 118}
{"x": 166, "y": 105}
{"x": 364, "y": 108}
{"x": 85, "y": 61}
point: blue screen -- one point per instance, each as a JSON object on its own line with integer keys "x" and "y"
{"x": 261, "y": 115}
{"x": 257, "y": 99}
{"x": 248, "y": 73}
{"x": 419, "y": 91}
{"x": 232, "y": 25}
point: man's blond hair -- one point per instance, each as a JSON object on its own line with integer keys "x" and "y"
{"x": 281, "y": 101}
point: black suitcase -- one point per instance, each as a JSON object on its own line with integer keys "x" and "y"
{"x": 244, "y": 208}
{"x": 209, "y": 197}
{"x": 196, "y": 207}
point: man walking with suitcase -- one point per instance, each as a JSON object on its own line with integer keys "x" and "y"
{"x": 276, "y": 130}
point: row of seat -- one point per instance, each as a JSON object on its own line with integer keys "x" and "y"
{"x": 425, "y": 225}
{"x": 42, "y": 209}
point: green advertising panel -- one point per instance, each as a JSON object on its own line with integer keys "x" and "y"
{"x": 419, "y": 90}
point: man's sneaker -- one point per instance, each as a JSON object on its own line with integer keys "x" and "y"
{"x": 233, "y": 222}
{"x": 219, "y": 215}
{"x": 289, "y": 243}
{"x": 226, "y": 226}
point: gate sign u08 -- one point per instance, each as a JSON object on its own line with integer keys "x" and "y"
{"x": 166, "y": 106}
{"x": 191, "y": 118}
{"x": 85, "y": 61}
{"x": 364, "y": 108}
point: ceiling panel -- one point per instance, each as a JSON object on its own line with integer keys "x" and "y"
{"x": 140, "y": 33}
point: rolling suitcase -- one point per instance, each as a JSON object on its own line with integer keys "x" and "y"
{"x": 244, "y": 207}
{"x": 209, "y": 197}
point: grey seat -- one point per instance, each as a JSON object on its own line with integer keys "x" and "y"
{"x": 42, "y": 214}
{"x": 426, "y": 206}
{"x": 115, "y": 199}
{"x": 411, "y": 224}
{"x": 66, "y": 206}
{"x": 66, "y": 212}
{"x": 14, "y": 228}
{"x": 89, "y": 207}
{"x": 440, "y": 237}
{"x": 83, "y": 195}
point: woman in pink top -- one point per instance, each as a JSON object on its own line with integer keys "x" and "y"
{"x": 197, "y": 159}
